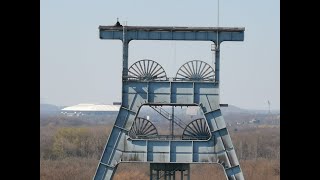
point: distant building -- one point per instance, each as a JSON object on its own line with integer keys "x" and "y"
{"x": 90, "y": 109}
{"x": 254, "y": 121}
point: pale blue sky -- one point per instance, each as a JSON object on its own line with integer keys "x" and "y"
{"x": 78, "y": 67}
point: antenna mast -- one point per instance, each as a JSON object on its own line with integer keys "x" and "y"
{"x": 217, "y": 45}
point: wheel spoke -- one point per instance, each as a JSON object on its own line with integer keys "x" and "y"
{"x": 148, "y": 66}
{"x": 138, "y": 68}
{"x": 186, "y": 73}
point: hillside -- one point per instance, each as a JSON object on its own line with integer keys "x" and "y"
{"x": 49, "y": 109}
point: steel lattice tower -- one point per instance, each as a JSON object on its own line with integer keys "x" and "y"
{"x": 135, "y": 139}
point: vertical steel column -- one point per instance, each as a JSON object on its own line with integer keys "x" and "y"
{"x": 188, "y": 170}
{"x": 172, "y": 123}
{"x": 181, "y": 174}
{"x": 217, "y": 62}
{"x": 125, "y": 51}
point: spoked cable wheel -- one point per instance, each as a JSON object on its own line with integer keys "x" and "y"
{"x": 146, "y": 70}
{"x": 142, "y": 129}
{"x": 195, "y": 70}
{"x": 197, "y": 129}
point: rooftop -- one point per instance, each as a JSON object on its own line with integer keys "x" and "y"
{"x": 92, "y": 107}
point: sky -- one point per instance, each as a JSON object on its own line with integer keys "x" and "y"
{"x": 78, "y": 67}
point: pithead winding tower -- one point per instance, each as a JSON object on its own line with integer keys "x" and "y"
{"x": 145, "y": 83}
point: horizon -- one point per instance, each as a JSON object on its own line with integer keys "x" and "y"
{"x": 44, "y": 103}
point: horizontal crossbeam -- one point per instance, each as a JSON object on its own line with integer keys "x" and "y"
{"x": 172, "y": 33}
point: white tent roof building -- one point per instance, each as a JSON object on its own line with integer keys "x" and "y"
{"x": 92, "y": 107}
{"x": 82, "y": 109}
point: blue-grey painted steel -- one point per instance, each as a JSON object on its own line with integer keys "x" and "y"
{"x": 125, "y": 49}
{"x": 120, "y": 147}
{"x": 128, "y": 33}
{"x": 217, "y": 64}
{"x": 172, "y": 33}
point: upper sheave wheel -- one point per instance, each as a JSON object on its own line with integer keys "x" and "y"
{"x": 146, "y": 70}
{"x": 195, "y": 70}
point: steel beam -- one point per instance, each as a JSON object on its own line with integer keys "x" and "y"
{"x": 172, "y": 33}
